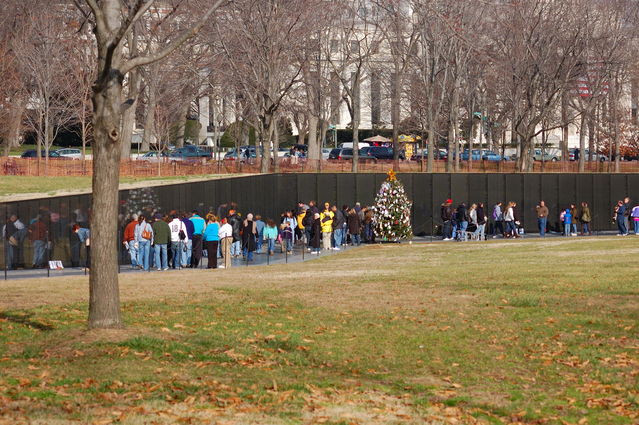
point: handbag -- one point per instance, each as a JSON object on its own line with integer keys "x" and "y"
{"x": 146, "y": 234}
{"x": 13, "y": 241}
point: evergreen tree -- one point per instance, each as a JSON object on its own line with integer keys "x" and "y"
{"x": 391, "y": 211}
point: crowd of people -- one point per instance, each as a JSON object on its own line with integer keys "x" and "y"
{"x": 465, "y": 222}
{"x": 181, "y": 240}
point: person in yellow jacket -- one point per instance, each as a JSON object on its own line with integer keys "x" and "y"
{"x": 326, "y": 220}
{"x": 299, "y": 230}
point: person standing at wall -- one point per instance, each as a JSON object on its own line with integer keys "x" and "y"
{"x": 236, "y": 223}
{"x": 178, "y": 238}
{"x": 338, "y": 227}
{"x": 316, "y": 233}
{"x": 481, "y": 222}
{"x": 144, "y": 239}
{"x": 585, "y": 218}
{"x": 446, "y": 213}
{"x": 575, "y": 218}
{"x": 635, "y": 219}
{"x": 509, "y": 220}
{"x": 354, "y": 227}
{"x": 226, "y": 240}
{"x": 259, "y": 238}
{"x": 211, "y": 238}
{"x": 129, "y": 240}
{"x": 270, "y": 235}
{"x": 326, "y": 218}
{"x": 161, "y": 240}
{"x": 248, "y": 237}
{"x": 462, "y": 220}
{"x": 627, "y": 212}
{"x": 619, "y": 218}
{"x": 198, "y": 228}
{"x": 498, "y": 220}
{"x": 567, "y": 219}
{"x": 542, "y": 217}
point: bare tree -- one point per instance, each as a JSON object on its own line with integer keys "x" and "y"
{"x": 112, "y": 24}
{"x": 45, "y": 61}
{"x": 260, "y": 40}
{"x": 358, "y": 39}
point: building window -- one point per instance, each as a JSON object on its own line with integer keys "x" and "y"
{"x": 334, "y": 45}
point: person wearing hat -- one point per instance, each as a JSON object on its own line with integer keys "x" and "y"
{"x": 161, "y": 239}
{"x": 447, "y": 216}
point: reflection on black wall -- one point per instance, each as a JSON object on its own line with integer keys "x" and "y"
{"x": 270, "y": 194}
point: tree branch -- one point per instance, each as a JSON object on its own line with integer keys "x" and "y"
{"x": 145, "y": 60}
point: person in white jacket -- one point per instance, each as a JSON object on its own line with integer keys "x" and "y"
{"x": 179, "y": 238}
{"x": 226, "y": 239}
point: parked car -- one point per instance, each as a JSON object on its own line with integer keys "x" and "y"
{"x": 153, "y": 156}
{"x": 438, "y": 154}
{"x": 476, "y": 155}
{"x": 382, "y": 152}
{"x": 573, "y": 155}
{"x": 70, "y": 153}
{"x": 189, "y": 152}
{"x": 325, "y": 153}
{"x": 547, "y": 155}
{"x": 491, "y": 156}
{"x": 32, "y": 153}
{"x": 346, "y": 154}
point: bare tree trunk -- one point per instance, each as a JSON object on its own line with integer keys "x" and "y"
{"x": 395, "y": 113}
{"x": 564, "y": 129}
{"x": 128, "y": 118}
{"x": 615, "y": 119}
{"x": 451, "y": 146}
{"x": 432, "y": 145}
{"x": 591, "y": 136}
{"x": 582, "y": 141}
{"x": 181, "y": 129}
{"x": 276, "y": 147}
{"x": 12, "y": 135}
{"x": 314, "y": 152}
{"x": 149, "y": 119}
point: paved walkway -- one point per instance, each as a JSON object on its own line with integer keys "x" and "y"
{"x": 299, "y": 254}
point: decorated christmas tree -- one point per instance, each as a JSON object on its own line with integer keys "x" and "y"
{"x": 391, "y": 211}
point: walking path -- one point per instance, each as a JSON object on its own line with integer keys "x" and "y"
{"x": 300, "y": 254}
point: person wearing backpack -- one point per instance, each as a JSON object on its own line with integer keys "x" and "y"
{"x": 178, "y": 245}
{"x": 144, "y": 238}
{"x": 498, "y": 220}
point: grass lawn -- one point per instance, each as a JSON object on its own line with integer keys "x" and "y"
{"x": 11, "y": 185}
{"x": 517, "y": 332}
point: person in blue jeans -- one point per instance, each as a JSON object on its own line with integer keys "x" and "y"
{"x": 287, "y": 237}
{"x": 542, "y": 218}
{"x": 567, "y": 222}
{"x": 270, "y": 235}
{"x": 620, "y": 211}
{"x": 635, "y": 219}
{"x": 144, "y": 238}
{"x": 259, "y": 227}
{"x": 462, "y": 220}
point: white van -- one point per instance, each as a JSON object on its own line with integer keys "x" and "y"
{"x": 350, "y": 145}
